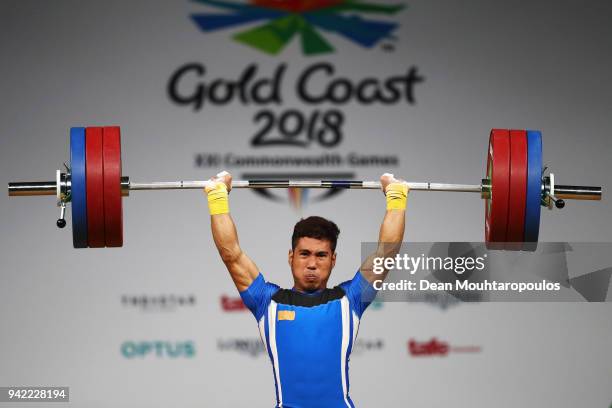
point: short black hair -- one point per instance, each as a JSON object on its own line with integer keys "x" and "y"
{"x": 315, "y": 227}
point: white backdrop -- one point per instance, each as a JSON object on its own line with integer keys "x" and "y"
{"x": 77, "y": 317}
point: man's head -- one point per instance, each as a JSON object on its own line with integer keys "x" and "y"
{"x": 313, "y": 253}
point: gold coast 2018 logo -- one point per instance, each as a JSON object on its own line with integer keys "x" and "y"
{"x": 297, "y": 105}
{"x": 284, "y": 19}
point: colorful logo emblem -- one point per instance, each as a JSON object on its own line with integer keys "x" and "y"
{"x": 283, "y": 19}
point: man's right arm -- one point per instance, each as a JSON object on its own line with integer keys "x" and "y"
{"x": 241, "y": 268}
{"x": 392, "y": 227}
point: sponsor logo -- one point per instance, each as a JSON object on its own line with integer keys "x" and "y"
{"x": 439, "y": 348}
{"x": 252, "y": 347}
{"x": 158, "y": 303}
{"x": 232, "y": 304}
{"x": 158, "y": 349}
{"x": 363, "y": 346}
{"x": 284, "y": 20}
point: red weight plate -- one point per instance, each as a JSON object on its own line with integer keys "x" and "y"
{"x": 498, "y": 172}
{"x": 113, "y": 210}
{"x": 518, "y": 190}
{"x": 94, "y": 171}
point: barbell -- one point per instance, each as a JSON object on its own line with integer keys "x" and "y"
{"x": 515, "y": 187}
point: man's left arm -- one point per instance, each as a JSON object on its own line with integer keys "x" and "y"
{"x": 392, "y": 227}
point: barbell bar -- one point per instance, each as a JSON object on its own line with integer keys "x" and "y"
{"x": 515, "y": 187}
{"x": 48, "y": 188}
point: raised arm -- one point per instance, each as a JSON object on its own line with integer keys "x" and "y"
{"x": 392, "y": 227}
{"x": 241, "y": 268}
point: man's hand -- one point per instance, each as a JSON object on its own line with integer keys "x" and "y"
{"x": 395, "y": 190}
{"x": 387, "y": 179}
{"x": 223, "y": 177}
{"x": 217, "y": 190}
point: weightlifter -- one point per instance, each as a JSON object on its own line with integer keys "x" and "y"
{"x": 308, "y": 330}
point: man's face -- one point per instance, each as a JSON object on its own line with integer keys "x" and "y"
{"x": 311, "y": 263}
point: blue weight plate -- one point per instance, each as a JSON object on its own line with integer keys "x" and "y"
{"x": 78, "y": 188}
{"x": 534, "y": 186}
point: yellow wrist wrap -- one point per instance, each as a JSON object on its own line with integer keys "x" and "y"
{"x": 397, "y": 195}
{"x": 217, "y": 199}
